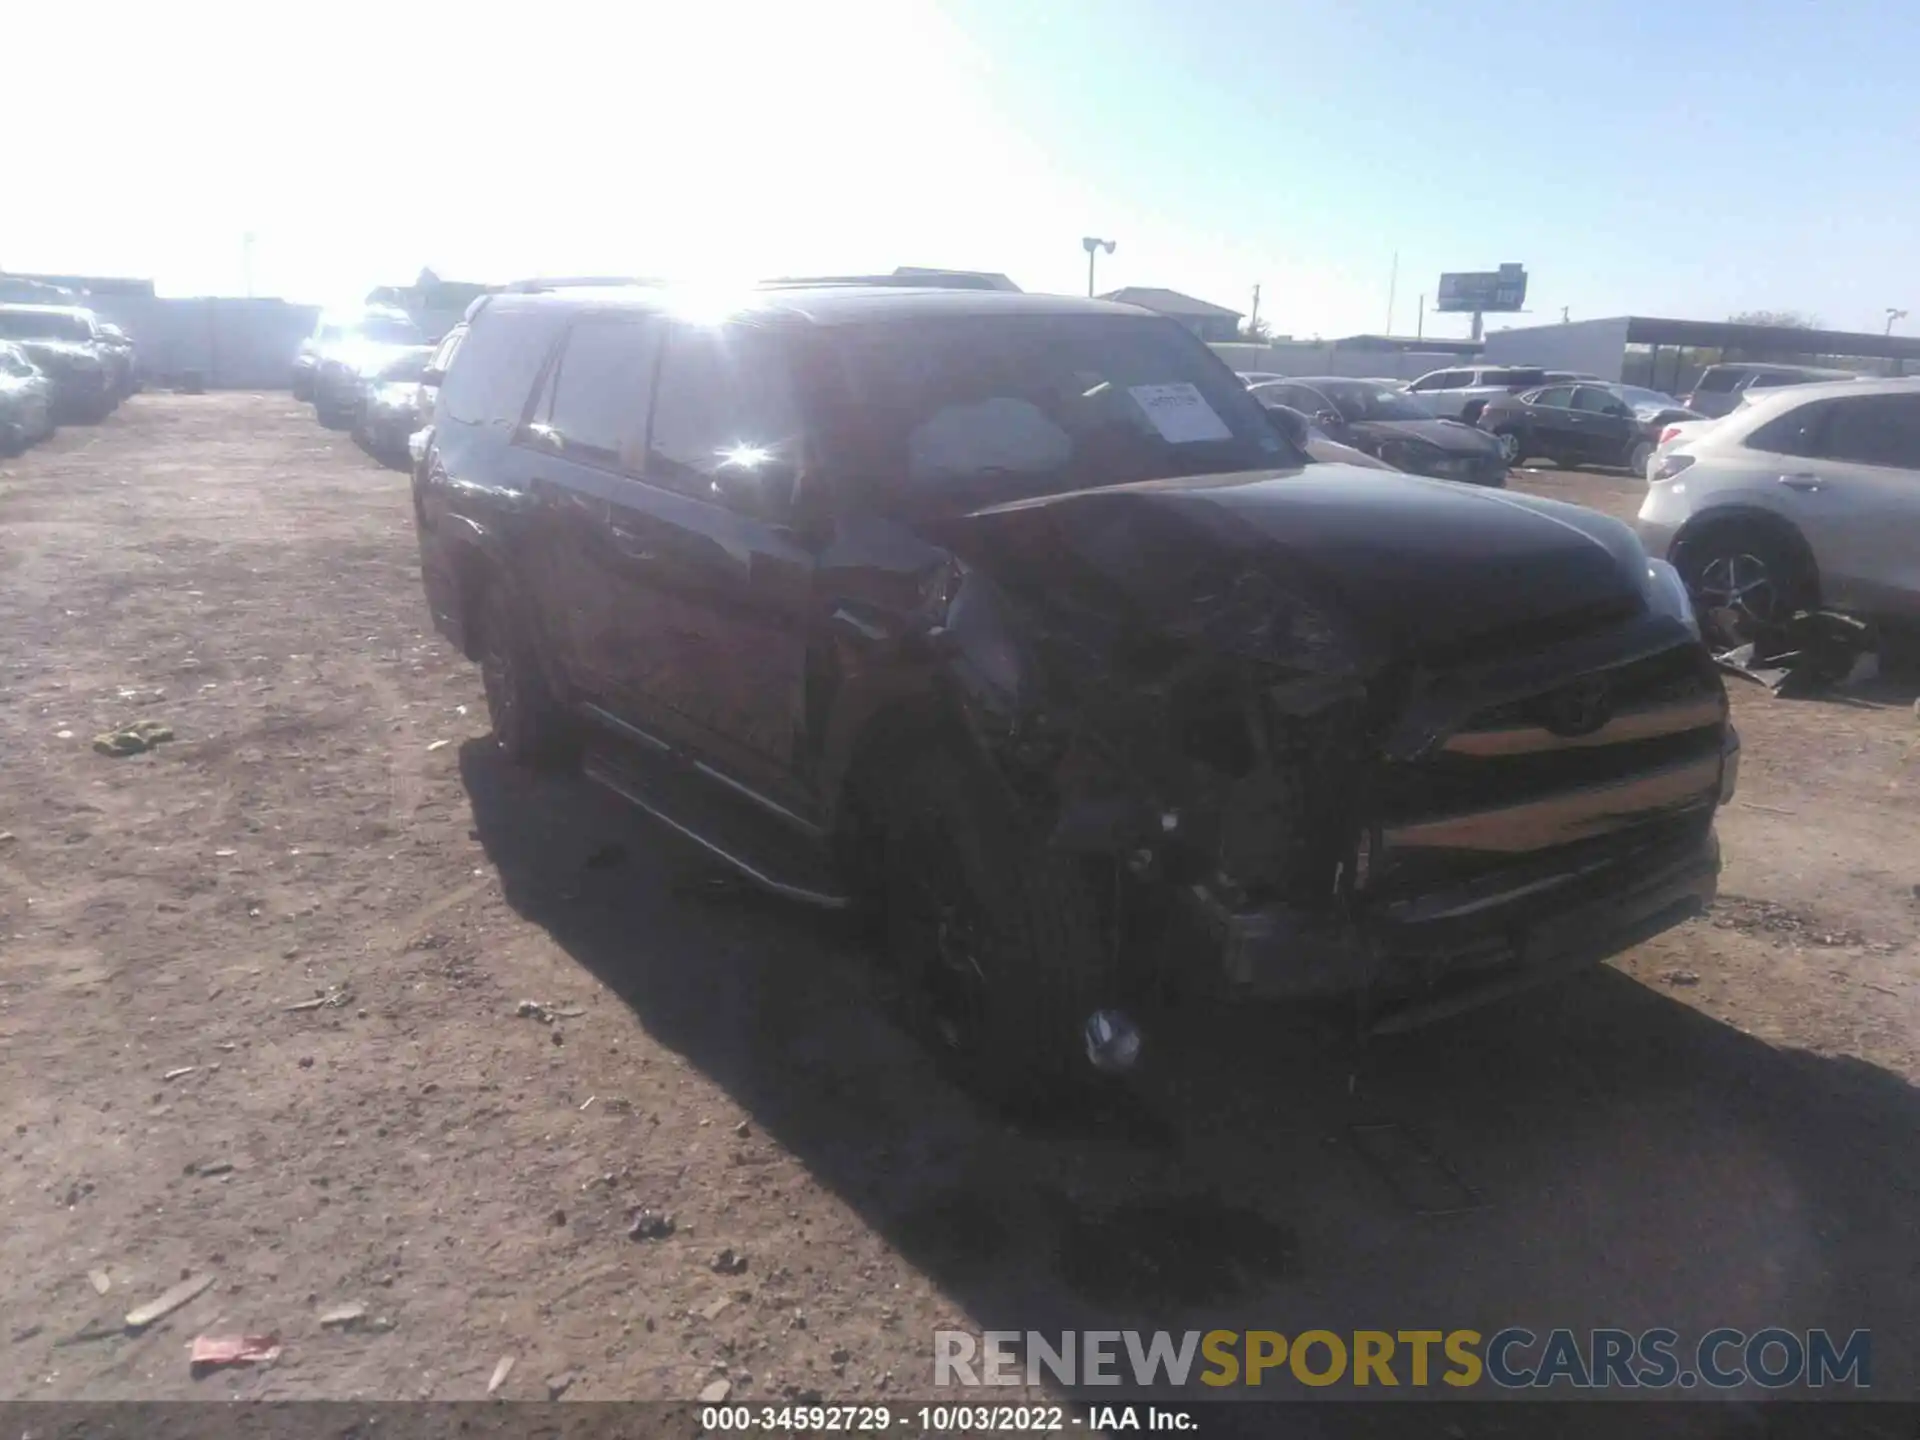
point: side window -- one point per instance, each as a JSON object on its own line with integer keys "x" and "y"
{"x": 496, "y": 367}
{"x": 1766, "y": 380}
{"x": 449, "y": 347}
{"x": 1555, "y": 397}
{"x": 1298, "y": 397}
{"x": 598, "y": 405}
{"x": 1875, "y": 430}
{"x": 1800, "y": 432}
{"x": 1594, "y": 401}
{"x": 722, "y": 393}
{"x": 1717, "y": 380}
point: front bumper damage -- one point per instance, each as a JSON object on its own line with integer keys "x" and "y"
{"x": 1489, "y": 899}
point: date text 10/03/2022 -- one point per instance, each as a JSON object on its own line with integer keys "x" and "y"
{"x": 924, "y": 1419}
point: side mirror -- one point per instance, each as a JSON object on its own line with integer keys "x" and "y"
{"x": 432, "y": 376}
{"x": 761, "y": 486}
{"x": 1329, "y": 420}
{"x": 1290, "y": 423}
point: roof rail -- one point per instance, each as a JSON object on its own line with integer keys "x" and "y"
{"x": 931, "y": 280}
{"x": 570, "y": 282}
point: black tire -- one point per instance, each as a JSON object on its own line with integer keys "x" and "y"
{"x": 997, "y": 939}
{"x": 530, "y": 725}
{"x": 303, "y": 387}
{"x": 1747, "y": 580}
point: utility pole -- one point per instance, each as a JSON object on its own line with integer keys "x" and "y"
{"x": 1253, "y": 320}
{"x": 1090, "y": 244}
{"x": 1563, "y": 314}
{"x": 1893, "y": 315}
{"x": 1393, "y": 284}
{"x": 1420, "y": 319}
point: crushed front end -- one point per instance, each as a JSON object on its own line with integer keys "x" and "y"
{"x": 1515, "y": 820}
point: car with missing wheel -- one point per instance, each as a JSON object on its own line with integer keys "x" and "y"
{"x": 1392, "y": 427}
{"x": 1015, "y": 622}
{"x": 1807, "y": 497}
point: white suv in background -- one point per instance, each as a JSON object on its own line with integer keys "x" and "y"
{"x": 1461, "y": 394}
{"x": 1810, "y": 495}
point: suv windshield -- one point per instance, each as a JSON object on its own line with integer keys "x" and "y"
{"x": 975, "y": 410}
{"x": 1356, "y": 400}
{"x": 43, "y": 325}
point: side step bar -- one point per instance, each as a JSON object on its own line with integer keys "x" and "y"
{"x": 739, "y": 855}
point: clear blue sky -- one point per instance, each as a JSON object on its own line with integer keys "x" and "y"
{"x": 1690, "y": 158}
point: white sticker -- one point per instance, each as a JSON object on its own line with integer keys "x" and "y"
{"x": 1180, "y": 413}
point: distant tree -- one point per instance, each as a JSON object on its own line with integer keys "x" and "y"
{"x": 1785, "y": 319}
{"x": 1257, "y": 331}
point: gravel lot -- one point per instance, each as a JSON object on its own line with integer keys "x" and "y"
{"x": 1718, "y": 1130}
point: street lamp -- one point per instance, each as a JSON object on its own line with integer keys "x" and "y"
{"x": 1090, "y": 245}
{"x": 1893, "y": 315}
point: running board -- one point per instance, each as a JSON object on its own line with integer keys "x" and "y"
{"x": 757, "y": 848}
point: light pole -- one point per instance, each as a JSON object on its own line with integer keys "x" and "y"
{"x": 1090, "y": 245}
{"x": 1893, "y": 315}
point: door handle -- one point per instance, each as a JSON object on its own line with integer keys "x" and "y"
{"x": 1801, "y": 482}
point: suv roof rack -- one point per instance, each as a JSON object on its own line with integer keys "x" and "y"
{"x": 925, "y": 280}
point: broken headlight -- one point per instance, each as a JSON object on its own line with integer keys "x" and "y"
{"x": 1666, "y": 594}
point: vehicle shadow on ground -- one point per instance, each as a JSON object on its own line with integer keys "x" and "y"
{"x": 1593, "y": 1155}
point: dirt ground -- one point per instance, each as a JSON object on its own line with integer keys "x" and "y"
{"x": 1717, "y": 1130}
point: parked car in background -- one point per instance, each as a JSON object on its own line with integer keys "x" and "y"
{"x": 1575, "y": 425}
{"x": 65, "y": 343}
{"x": 1810, "y": 495}
{"x": 347, "y": 337}
{"x": 1393, "y": 426}
{"x": 358, "y": 350}
{"x": 1720, "y": 387}
{"x": 1458, "y": 394}
{"x": 1012, "y": 616}
{"x": 122, "y": 361}
{"x": 429, "y": 392}
{"x": 1320, "y": 446}
{"x": 389, "y": 406}
{"x": 26, "y": 400}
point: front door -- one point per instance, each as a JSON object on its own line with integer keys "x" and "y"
{"x": 1605, "y": 424}
{"x": 1855, "y": 494}
{"x": 711, "y": 595}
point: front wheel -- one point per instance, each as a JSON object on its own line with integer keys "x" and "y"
{"x": 1509, "y": 445}
{"x": 997, "y": 938}
{"x": 1746, "y": 581}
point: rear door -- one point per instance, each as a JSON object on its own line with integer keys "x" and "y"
{"x": 1554, "y": 426}
{"x": 1857, "y": 495}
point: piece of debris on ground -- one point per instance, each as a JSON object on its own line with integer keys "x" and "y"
{"x": 141, "y": 735}
{"x": 210, "y": 1352}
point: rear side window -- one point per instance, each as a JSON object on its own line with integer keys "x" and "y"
{"x": 1447, "y": 380}
{"x": 496, "y": 366}
{"x": 1595, "y": 401}
{"x": 602, "y": 379}
{"x": 722, "y": 393}
{"x": 1718, "y": 380}
{"x": 1799, "y": 432}
{"x": 1516, "y": 379}
{"x": 1558, "y": 397}
{"x": 1766, "y": 379}
{"x": 1874, "y": 430}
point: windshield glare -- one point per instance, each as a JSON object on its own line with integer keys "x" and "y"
{"x": 974, "y": 411}
{"x": 43, "y": 325}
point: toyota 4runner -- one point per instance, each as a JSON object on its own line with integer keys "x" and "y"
{"x": 1018, "y": 621}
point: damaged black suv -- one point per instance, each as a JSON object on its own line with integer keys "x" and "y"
{"x": 1017, "y": 620}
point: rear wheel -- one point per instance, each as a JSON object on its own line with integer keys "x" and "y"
{"x": 1638, "y": 456}
{"x": 529, "y": 724}
{"x": 1745, "y": 579}
{"x": 997, "y": 938}
{"x": 1510, "y": 445}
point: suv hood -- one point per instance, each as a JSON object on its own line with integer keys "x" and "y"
{"x": 1331, "y": 568}
{"x": 58, "y": 351}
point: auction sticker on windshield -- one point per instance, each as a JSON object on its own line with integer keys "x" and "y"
{"x": 1180, "y": 413}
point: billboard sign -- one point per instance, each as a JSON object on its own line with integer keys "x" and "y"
{"x": 1483, "y": 290}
